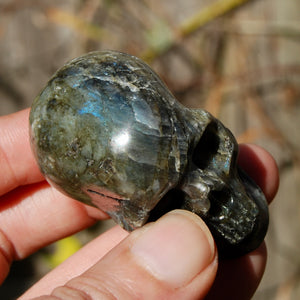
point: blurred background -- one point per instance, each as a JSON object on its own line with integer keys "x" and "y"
{"x": 239, "y": 59}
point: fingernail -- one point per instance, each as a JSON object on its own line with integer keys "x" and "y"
{"x": 175, "y": 248}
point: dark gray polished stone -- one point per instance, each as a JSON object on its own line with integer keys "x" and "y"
{"x": 106, "y": 131}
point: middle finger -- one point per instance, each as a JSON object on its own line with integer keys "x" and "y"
{"x": 36, "y": 215}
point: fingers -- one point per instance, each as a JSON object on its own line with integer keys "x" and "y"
{"x": 173, "y": 258}
{"x": 18, "y": 166}
{"x": 261, "y": 166}
{"x": 35, "y": 215}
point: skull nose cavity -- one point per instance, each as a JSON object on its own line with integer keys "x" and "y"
{"x": 220, "y": 204}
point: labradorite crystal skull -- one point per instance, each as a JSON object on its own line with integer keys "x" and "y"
{"x": 106, "y": 131}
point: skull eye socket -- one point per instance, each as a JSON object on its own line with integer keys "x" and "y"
{"x": 207, "y": 147}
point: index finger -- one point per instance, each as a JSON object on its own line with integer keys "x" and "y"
{"x": 18, "y": 166}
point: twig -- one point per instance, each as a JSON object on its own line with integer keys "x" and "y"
{"x": 287, "y": 29}
{"x": 208, "y": 14}
{"x": 201, "y": 18}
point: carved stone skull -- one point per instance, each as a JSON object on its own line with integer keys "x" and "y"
{"x": 106, "y": 131}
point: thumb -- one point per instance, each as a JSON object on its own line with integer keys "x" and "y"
{"x": 174, "y": 257}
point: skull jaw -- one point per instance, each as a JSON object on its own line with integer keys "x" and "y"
{"x": 256, "y": 237}
{"x": 247, "y": 225}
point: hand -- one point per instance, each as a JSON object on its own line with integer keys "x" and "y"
{"x": 173, "y": 258}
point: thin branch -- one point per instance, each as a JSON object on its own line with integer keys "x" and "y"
{"x": 208, "y": 14}
{"x": 200, "y": 19}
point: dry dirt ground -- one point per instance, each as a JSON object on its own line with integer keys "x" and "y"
{"x": 244, "y": 67}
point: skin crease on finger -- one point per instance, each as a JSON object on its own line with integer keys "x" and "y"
{"x": 14, "y": 130}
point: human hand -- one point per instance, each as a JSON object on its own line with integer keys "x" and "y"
{"x": 174, "y": 257}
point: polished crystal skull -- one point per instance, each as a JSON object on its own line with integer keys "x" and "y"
{"x": 106, "y": 131}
